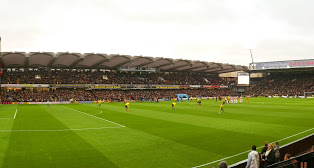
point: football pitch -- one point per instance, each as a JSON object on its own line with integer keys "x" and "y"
{"x": 149, "y": 135}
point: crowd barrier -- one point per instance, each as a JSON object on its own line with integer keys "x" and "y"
{"x": 294, "y": 148}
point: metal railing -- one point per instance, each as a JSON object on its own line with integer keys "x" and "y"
{"x": 303, "y": 161}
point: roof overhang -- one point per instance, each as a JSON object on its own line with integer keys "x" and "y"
{"x": 113, "y": 61}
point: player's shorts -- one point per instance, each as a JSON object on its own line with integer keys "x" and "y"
{"x": 221, "y": 108}
{"x": 126, "y": 107}
{"x": 172, "y": 105}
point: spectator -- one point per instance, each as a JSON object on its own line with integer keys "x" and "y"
{"x": 277, "y": 152}
{"x": 264, "y": 151}
{"x": 223, "y": 164}
{"x": 253, "y": 158}
{"x": 270, "y": 155}
{"x": 287, "y": 156}
{"x": 292, "y": 163}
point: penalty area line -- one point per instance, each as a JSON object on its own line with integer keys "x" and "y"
{"x": 15, "y": 113}
{"x": 250, "y": 150}
{"x": 95, "y": 116}
{"x": 13, "y": 116}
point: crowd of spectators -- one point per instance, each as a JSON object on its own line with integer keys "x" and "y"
{"x": 36, "y": 95}
{"x": 280, "y": 84}
{"x": 275, "y": 84}
{"x": 269, "y": 155}
{"x": 108, "y": 77}
{"x": 163, "y": 94}
{"x": 45, "y": 95}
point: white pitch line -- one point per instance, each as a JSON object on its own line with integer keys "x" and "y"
{"x": 77, "y": 129}
{"x": 13, "y": 116}
{"x": 97, "y": 113}
{"x": 15, "y": 113}
{"x": 250, "y": 150}
{"x": 95, "y": 116}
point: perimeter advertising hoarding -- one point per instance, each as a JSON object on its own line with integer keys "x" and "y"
{"x": 105, "y": 87}
{"x": 109, "y": 86}
{"x": 24, "y": 85}
{"x": 167, "y": 87}
{"x": 70, "y": 85}
{"x": 195, "y": 86}
{"x": 214, "y": 86}
{"x": 285, "y": 64}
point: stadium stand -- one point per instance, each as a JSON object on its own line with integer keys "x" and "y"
{"x": 284, "y": 84}
{"x": 98, "y": 77}
{"x": 276, "y": 84}
{"x": 94, "y": 74}
{"x": 86, "y": 95}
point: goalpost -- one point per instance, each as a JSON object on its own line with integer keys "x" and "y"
{"x": 308, "y": 94}
{"x": 181, "y": 97}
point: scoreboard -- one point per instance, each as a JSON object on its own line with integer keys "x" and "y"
{"x": 243, "y": 79}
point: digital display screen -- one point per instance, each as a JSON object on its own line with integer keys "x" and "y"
{"x": 243, "y": 79}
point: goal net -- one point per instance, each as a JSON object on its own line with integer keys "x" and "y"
{"x": 309, "y": 94}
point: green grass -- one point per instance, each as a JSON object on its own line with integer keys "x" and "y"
{"x": 153, "y": 136}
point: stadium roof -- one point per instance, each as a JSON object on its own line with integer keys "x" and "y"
{"x": 112, "y": 61}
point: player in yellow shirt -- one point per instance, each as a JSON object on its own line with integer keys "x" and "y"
{"x": 199, "y": 102}
{"x": 222, "y": 109}
{"x": 174, "y": 106}
{"x": 99, "y": 103}
{"x": 127, "y": 104}
{"x": 223, "y": 100}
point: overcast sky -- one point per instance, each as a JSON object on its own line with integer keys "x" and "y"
{"x": 206, "y": 30}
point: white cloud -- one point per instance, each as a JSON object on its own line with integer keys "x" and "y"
{"x": 208, "y": 30}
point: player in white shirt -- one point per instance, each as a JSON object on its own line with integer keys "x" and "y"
{"x": 236, "y": 99}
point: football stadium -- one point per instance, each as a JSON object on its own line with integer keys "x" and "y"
{"x": 69, "y": 110}
{"x": 92, "y": 109}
